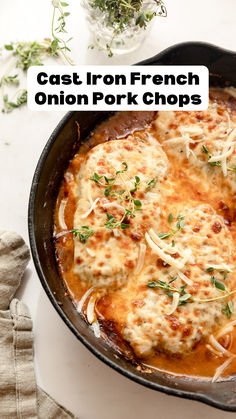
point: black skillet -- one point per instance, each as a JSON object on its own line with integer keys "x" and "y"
{"x": 48, "y": 175}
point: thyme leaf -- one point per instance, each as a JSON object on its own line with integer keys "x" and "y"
{"x": 13, "y": 80}
{"x": 219, "y": 285}
{"x": 228, "y": 309}
{"x": 96, "y": 178}
{"x": 136, "y": 184}
{"x": 10, "y": 105}
{"x": 151, "y": 184}
{"x": 137, "y": 203}
{"x": 179, "y": 225}
{"x": 164, "y": 235}
{"x": 170, "y": 218}
{"x": 84, "y": 233}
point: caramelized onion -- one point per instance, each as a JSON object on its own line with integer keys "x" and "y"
{"x": 222, "y": 368}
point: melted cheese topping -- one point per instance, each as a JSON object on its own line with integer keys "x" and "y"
{"x": 185, "y": 134}
{"x": 155, "y": 324}
{"x": 116, "y": 252}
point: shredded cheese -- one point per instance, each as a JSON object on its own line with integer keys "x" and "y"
{"x": 228, "y": 149}
{"x": 186, "y": 254}
{"x": 167, "y": 258}
{"x": 161, "y": 243}
{"x": 90, "y": 252}
{"x": 188, "y": 257}
{"x": 113, "y": 205}
{"x": 86, "y": 214}
{"x": 192, "y": 130}
{"x": 229, "y": 129}
{"x": 141, "y": 256}
{"x": 186, "y": 139}
{"x": 221, "y": 157}
{"x": 116, "y": 232}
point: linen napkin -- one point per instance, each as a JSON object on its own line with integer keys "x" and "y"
{"x": 20, "y": 397}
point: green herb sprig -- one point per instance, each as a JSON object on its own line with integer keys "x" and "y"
{"x": 121, "y": 13}
{"x": 215, "y": 163}
{"x": 225, "y": 272}
{"x": 169, "y": 290}
{"x": 28, "y": 54}
{"x": 228, "y": 309}
{"x": 58, "y": 43}
{"x": 180, "y": 223}
{"x": 84, "y": 233}
{"x": 112, "y": 223}
{"x": 124, "y": 195}
{"x": 186, "y": 297}
{"x": 25, "y": 55}
{"x": 9, "y": 105}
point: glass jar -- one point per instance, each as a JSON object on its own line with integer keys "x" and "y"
{"x": 107, "y": 36}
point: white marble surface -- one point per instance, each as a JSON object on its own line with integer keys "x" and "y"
{"x": 64, "y": 367}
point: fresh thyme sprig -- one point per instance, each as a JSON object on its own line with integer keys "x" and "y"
{"x": 58, "y": 43}
{"x": 13, "y": 80}
{"x": 124, "y": 195}
{"x": 228, "y": 309}
{"x": 179, "y": 225}
{"x": 121, "y": 13}
{"x": 186, "y": 297}
{"x": 169, "y": 290}
{"x": 27, "y": 54}
{"x": 83, "y": 234}
{"x": 112, "y": 223}
{"x": 225, "y": 272}
{"x": 9, "y": 105}
{"x": 215, "y": 163}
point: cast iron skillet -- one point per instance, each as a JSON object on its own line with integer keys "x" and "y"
{"x": 48, "y": 175}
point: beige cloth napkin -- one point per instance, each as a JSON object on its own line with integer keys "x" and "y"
{"x": 20, "y": 397}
